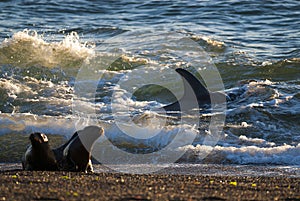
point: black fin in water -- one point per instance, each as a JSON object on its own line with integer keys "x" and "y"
{"x": 200, "y": 91}
{"x": 191, "y": 86}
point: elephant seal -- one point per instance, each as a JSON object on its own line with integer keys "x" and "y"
{"x": 39, "y": 155}
{"x": 77, "y": 153}
{"x": 193, "y": 88}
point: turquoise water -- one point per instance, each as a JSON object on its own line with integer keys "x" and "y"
{"x": 253, "y": 44}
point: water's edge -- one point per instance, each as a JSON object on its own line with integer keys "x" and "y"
{"x": 194, "y": 169}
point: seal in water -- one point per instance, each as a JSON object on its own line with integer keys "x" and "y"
{"x": 193, "y": 88}
{"x": 77, "y": 153}
{"x": 39, "y": 155}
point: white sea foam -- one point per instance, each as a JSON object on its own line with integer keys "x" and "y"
{"x": 255, "y": 141}
{"x": 26, "y": 123}
{"x": 277, "y": 155}
{"x": 28, "y": 48}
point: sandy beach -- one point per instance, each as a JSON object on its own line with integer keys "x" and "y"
{"x": 37, "y": 185}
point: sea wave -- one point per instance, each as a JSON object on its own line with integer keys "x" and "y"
{"x": 37, "y": 87}
{"x": 243, "y": 155}
{"x": 28, "y": 48}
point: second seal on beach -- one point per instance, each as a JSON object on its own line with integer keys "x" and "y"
{"x": 77, "y": 153}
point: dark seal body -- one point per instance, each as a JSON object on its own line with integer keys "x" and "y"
{"x": 39, "y": 155}
{"x": 59, "y": 151}
{"x": 77, "y": 153}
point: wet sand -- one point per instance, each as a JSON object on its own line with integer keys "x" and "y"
{"x": 37, "y": 185}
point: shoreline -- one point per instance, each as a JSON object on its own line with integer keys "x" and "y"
{"x": 188, "y": 169}
{"x": 44, "y": 185}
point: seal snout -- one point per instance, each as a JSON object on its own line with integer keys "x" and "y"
{"x": 101, "y": 131}
{"x": 93, "y": 130}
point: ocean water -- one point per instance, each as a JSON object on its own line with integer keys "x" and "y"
{"x": 65, "y": 65}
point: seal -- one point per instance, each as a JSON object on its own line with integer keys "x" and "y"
{"x": 193, "y": 88}
{"x": 39, "y": 155}
{"x": 58, "y": 152}
{"x": 77, "y": 153}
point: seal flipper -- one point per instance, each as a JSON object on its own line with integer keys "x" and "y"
{"x": 192, "y": 87}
